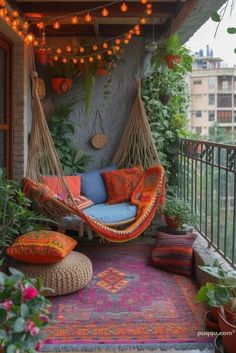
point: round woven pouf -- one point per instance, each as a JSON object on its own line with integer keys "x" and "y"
{"x": 66, "y": 276}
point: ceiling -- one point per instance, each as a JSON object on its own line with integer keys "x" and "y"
{"x": 115, "y": 24}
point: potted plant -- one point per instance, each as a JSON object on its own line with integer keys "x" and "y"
{"x": 43, "y": 55}
{"x": 62, "y": 76}
{"x": 24, "y": 312}
{"x": 171, "y": 52}
{"x": 108, "y": 62}
{"x": 16, "y": 216}
{"x": 178, "y": 214}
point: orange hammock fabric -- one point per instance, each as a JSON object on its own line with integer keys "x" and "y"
{"x": 149, "y": 195}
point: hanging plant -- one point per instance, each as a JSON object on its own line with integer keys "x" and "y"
{"x": 43, "y": 56}
{"x": 62, "y": 76}
{"x": 109, "y": 62}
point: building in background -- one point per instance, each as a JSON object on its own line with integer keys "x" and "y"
{"x": 213, "y": 94}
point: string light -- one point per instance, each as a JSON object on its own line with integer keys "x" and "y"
{"x": 105, "y": 45}
{"x": 58, "y": 51}
{"x": 124, "y": 7}
{"x": 129, "y": 36}
{"x": 40, "y": 25}
{"x": 2, "y": 3}
{"x": 2, "y": 13}
{"x": 105, "y": 12}
{"x": 64, "y": 60}
{"x": 99, "y": 57}
{"x": 137, "y": 33}
{"x": 149, "y": 6}
{"x": 35, "y": 42}
{"x": 143, "y": 20}
{"x": 55, "y": 58}
{"x": 15, "y": 14}
{"x": 29, "y": 38}
{"x": 74, "y": 61}
{"x": 149, "y": 11}
{"x": 88, "y": 18}
{"x": 81, "y": 49}
{"x": 25, "y": 25}
{"x": 126, "y": 41}
{"x": 74, "y": 20}
{"x": 143, "y": 1}
{"x": 136, "y": 27}
{"x": 7, "y": 19}
{"x": 117, "y": 48}
{"x": 95, "y": 47}
{"x": 109, "y": 52}
{"x": 56, "y": 25}
{"x": 68, "y": 49}
{"x": 81, "y": 60}
{"x": 15, "y": 22}
{"x": 117, "y": 41}
{"x": 91, "y": 60}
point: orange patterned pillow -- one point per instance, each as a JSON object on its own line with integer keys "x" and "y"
{"x": 43, "y": 246}
{"x": 121, "y": 183}
{"x": 54, "y": 183}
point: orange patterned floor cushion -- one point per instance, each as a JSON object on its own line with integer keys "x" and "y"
{"x": 42, "y": 246}
{"x": 54, "y": 183}
{"x": 121, "y": 183}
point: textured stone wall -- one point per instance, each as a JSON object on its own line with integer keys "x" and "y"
{"x": 114, "y": 110}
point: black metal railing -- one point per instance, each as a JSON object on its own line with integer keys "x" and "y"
{"x": 207, "y": 180}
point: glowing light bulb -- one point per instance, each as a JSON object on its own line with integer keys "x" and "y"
{"x": 91, "y": 59}
{"x": 143, "y": 20}
{"x": 117, "y": 48}
{"x": 136, "y": 27}
{"x": 40, "y": 25}
{"x": 105, "y": 12}
{"x": 68, "y": 49}
{"x": 81, "y": 60}
{"x": 25, "y": 25}
{"x": 117, "y": 41}
{"x": 105, "y": 45}
{"x": 143, "y": 1}
{"x": 126, "y": 41}
{"x": 148, "y": 11}
{"x": 15, "y": 22}
{"x": 64, "y": 60}
{"x": 2, "y": 13}
{"x": 7, "y": 19}
{"x": 95, "y": 47}
{"x": 137, "y": 33}
{"x": 109, "y": 52}
{"x": 129, "y": 36}
{"x": 2, "y": 3}
{"x": 15, "y": 14}
{"x": 30, "y": 37}
{"x": 20, "y": 33}
{"x": 81, "y": 49}
{"x": 149, "y": 6}
{"x": 74, "y": 61}
{"x": 124, "y": 7}
{"x": 35, "y": 42}
{"x": 55, "y": 58}
{"x": 74, "y": 20}
{"x": 88, "y": 18}
{"x": 99, "y": 57}
{"x": 56, "y": 25}
{"x": 58, "y": 51}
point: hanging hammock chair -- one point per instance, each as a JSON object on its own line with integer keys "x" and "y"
{"x": 148, "y": 196}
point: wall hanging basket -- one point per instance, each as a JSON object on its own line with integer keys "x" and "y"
{"x": 98, "y": 139}
{"x": 61, "y": 85}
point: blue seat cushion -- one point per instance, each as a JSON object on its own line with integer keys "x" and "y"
{"x": 92, "y": 185}
{"x": 109, "y": 214}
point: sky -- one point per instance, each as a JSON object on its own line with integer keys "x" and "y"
{"x": 223, "y": 44}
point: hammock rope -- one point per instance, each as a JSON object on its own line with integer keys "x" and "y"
{"x": 43, "y": 160}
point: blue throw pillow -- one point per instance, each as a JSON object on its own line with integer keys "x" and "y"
{"x": 92, "y": 185}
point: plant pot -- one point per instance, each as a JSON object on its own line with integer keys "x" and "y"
{"x": 215, "y": 312}
{"x": 228, "y": 334}
{"x": 42, "y": 56}
{"x": 61, "y": 85}
{"x": 164, "y": 98}
{"x": 229, "y": 315}
{"x": 172, "y": 60}
{"x": 218, "y": 344}
{"x": 172, "y": 222}
{"x": 210, "y": 322}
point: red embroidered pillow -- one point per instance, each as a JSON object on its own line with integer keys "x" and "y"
{"x": 54, "y": 183}
{"x": 121, "y": 183}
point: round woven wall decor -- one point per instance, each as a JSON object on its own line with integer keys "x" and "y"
{"x": 99, "y": 140}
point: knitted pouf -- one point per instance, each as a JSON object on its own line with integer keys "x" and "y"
{"x": 66, "y": 276}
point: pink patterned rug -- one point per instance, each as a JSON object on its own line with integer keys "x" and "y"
{"x": 128, "y": 304}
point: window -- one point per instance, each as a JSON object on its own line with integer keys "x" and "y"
{"x": 224, "y": 116}
{"x": 211, "y": 115}
{"x": 211, "y": 99}
{"x": 235, "y": 116}
{"x": 225, "y": 85}
{"x": 5, "y": 106}
{"x": 212, "y": 82}
{"x": 197, "y": 82}
{"x": 235, "y": 84}
{"x": 198, "y": 130}
{"x": 198, "y": 113}
{"x": 224, "y": 100}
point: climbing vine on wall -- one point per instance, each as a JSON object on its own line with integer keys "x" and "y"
{"x": 168, "y": 121}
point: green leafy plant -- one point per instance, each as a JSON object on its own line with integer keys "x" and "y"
{"x": 16, "y": 216}
{"x": 62, "y": 131}
{"x": 212, "y": 295}
{"x": 63, "y": 70}
{"x": 172, "y": 46}
{"x": 181, "y": 211}
{"x": 24, "y": 313}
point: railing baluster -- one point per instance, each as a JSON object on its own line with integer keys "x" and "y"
{"x": 218, "y": 198}
{"x": 206, "y": 196}
{"x": 226, "y": 202}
